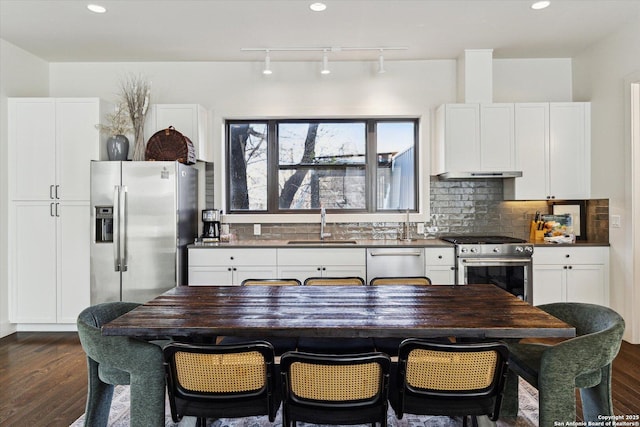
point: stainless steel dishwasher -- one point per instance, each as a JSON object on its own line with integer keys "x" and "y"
{"x": 394, "y": 262}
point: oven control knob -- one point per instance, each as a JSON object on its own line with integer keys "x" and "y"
{"x": 464, "y": 250}
{"x": 528, "y": 249}
{"x": 519, "y": 249}
{"x": 496, "y": 250}
{"x": 474, "y": 250}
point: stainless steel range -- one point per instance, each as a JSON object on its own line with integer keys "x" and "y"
{"x": 503, "y": 261}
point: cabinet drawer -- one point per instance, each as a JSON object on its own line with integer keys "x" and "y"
{"x": 570, "y": 255}
{"x": 439, "y": 256}
{"x": 224, "y": 257}
{"x": 329, "y": 256}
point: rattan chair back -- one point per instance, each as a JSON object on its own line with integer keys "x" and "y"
{"x": 456, "y": 379}
{"x": 334, "y": 281}
{"x": 413, "y": 280}
{"x": 271, "y": 282}
{"x": 221, "y": 381}
{"x": 335, "y": 389}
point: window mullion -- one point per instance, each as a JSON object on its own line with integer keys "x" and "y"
{"x": 273, "y": 167}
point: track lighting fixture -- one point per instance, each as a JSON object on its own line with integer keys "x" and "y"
{"x": 325, "y": 64}
{"x": 381, "y": 69}
{"x": 325, "y": 52}
{"x": 267, "y": 65}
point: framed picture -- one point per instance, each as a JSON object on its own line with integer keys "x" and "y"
{"x": 577, "y": 210}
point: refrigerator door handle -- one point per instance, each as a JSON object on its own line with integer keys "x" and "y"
{"x": 125, "y": 237}
{"x": 116, "y": 228}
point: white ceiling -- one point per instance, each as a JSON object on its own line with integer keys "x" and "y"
{"x": 216, "y": 30}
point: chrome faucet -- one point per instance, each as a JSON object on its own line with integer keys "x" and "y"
{"x": 323, "y": 223}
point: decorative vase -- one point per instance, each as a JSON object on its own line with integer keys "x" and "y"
{"x": 118, "y": 147}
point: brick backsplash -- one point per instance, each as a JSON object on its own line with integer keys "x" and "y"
{"x": 457, "y": 207}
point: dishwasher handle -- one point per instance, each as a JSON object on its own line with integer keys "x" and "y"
{"x": 395, "y": 253}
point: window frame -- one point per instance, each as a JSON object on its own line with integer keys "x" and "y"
{"x": 370, "y": 166}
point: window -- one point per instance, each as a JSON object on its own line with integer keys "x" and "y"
{"x": 298, "y": 166}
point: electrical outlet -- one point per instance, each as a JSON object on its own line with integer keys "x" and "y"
{"x": 420, "y": 228}
{"x": 257, "y": 229}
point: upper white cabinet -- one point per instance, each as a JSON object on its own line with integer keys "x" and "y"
{"x": 474, "y": 138}
{"x": 192, "y": 120}
{"x": 51, "y": 144}
{"x": 57, "y": 138}
{"x": 553, "y": 150}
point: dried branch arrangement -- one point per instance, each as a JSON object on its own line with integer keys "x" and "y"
{"x": 116, "y": 123}
{"x": 136, "y": 91}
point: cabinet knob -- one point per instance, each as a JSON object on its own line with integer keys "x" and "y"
{"x": 231, "y": 258}
{"x": 439, "y": 256}
{"x": 567, "y": 256}
{"x": 570, "y": 267}
{"x": 229, "y": 269}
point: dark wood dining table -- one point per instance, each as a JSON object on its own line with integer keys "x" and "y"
{"x": 476, "y": 311}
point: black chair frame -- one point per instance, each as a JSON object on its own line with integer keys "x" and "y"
{"x": 359, "y": 411}
{"x": 440, "y": 397}
{"x": 264, "y": 401}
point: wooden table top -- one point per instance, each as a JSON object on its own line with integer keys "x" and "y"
{"x": 481, "y": 311}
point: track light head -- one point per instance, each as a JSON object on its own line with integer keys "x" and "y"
{"x": 325, "y": 64}
{"x": 267, "y": 65}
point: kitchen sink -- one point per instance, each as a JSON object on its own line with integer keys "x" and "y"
{"x": 321, "y": 242}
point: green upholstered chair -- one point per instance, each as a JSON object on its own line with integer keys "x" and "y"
{"x": 583, "y": 362}
{"x": 115, "y": 360}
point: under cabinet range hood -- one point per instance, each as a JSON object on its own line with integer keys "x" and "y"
{"x": 479, "y": 175}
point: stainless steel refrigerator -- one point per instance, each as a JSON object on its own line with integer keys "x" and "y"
{"x": 143, "y": 215}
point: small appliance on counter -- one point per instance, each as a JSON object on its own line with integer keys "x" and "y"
{"x": 210, "y": 225}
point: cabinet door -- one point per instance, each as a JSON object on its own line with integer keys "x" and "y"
{"x": 531, "y": 146}
{"x": 209, "y": 276}
{"x": 77, "y": 143}
{"x": 462, "y": 133}
{"x": 569, "y": 150}
{"x": 33, "y": 262}
{"x": 586, "y": 283}
{"x": 548, "y": 284}
{"x": 263, "y": 272}
{"x": 32, "y": 148}
{"x": 497, "y": 137}
{"x": 345, "y": 271}
{"x": 73, "y": 260}
{"x": 300, "y": 272}
{"x": 440, "y": 275}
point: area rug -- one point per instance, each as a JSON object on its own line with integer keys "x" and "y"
{"x": 527, "y": 415}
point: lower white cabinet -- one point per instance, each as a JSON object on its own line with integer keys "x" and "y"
{"x": 330, "y": 262}
{"x": 49, "y": 261}
{"x": 571, "y": 274}
{"x": 213, "y": 266}
{"x": 440, "y": 265}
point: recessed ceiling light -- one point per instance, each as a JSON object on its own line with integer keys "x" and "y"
{"x": 317, "y": 7}
{"x": 540, "y": 5}
{"x": 96, "y": 8}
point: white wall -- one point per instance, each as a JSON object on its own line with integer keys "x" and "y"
{"x": 600, "y": 74}
{"x": 22, "y": 74}
{"x": 240, "y": 90}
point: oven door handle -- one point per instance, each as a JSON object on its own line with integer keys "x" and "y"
{"x": 495, "y": 261}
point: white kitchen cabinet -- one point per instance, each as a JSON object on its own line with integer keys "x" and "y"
{"x": 49, "y": 262}
{"x": 553, "y": 151}
{"x": 191, "y": 120}
{"x": 474, "y": 138}
{"x": 440, "y": 265}
{"x": 228, "y": 266}
{"x": 51, "y": 143}
{"x": 322, "y": 262}
{"x": 571, "y": 274}
{"x": 57, "y": 138}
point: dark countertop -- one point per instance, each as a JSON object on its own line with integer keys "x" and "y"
{"x": 371, "y": 243}
{"x": 578, "y": 243}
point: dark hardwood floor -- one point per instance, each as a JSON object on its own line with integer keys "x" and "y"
{"x": 43, "y": 379}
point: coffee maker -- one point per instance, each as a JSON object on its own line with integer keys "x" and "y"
{"x": 210, "y": 225}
